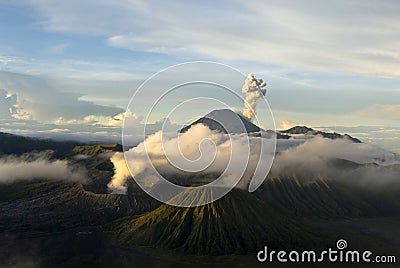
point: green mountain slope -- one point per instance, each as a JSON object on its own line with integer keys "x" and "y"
{"x": 237, "y": 223}
{"x": 323, "y": 198}
{"x": 97, "y": 149}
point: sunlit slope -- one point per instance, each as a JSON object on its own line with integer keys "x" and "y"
{"x": 97, "y": 149}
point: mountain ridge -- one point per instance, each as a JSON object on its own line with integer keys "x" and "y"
{"x": 226, "y": 121}
{"x": 296, "y": 130}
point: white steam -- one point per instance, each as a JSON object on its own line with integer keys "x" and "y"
{"x": 253, "y": 89}
{"x": 308, "y": 159}
{"x": 368, "y": 166}
{"x": 203, "y": 147}
{"x": 38, "y": 166}
{"x": 121, "y": 174}
{"x": 309, "y": 148}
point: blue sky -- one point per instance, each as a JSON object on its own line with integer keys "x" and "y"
{"x": 70, "y": 67}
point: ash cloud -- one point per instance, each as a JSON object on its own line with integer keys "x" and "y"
{"x": 38, "y": 166}
{"x": 253, "y": 89}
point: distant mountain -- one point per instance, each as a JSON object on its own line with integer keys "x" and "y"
{"x": 309, "y": 131}
{"x": 225, "y": 121}
{"x": 236, "y": 223}
{"x": 17, "y": 145}
{"x": 97, "y": 149}
{"x": 297, "y": 130}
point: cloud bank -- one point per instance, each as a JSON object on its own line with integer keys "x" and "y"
{"x": 368, "y": 165}
{"x": 350, "y": 36}
{"x": 38, "y": 166}
{"x": 308, "y": 159}
{"x": 198, "y": 151}
{"x": 33, "y": 98}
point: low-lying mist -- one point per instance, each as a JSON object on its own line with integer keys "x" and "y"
{"x": 38, "y": 166}
{"x": 336, "y": 160}
{"x": 199, "y": 150}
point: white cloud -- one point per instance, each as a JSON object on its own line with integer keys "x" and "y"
{"x": 349, "y": 36}
{"x": 60, "y": 130}
{"x": 83, "y": 134}
{"x": 5, "y": 60}
{"x": 384, "y": 137}
{"x": 98, "y": 70}
{"x": 35, "y": 99}
{"x": 198, "y": 150}
{"x": 38, "y": 166}
{"x": 309, "y": 157}
{"x": 7, "y": 104}
{"x": 10, "y": 107}
{"x": 115, "y": 121}
{"x": 118, "y": 119}
{"x": 135, "y": 42}
{"x": 316, "y": 158}
{"x": 285, "y": 124}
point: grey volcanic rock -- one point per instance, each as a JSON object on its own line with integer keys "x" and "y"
{"x": 226, "y": 121}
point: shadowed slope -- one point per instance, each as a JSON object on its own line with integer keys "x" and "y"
{"x": 237, "y": 223}
{"x": 225, "y": 121}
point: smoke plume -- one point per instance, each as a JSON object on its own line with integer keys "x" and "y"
{"x": 253, "y": 89}
{"x": 121, "y": 174}
{"x": 38, "y": 166}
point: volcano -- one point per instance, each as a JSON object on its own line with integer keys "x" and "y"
{"x": 225, "y": 121}
{"x": 228, "y": 122}
{"x": 236, "y": 223}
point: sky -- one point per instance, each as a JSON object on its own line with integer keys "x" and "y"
{"x": 69, "y": 68}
